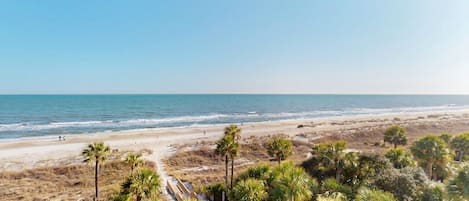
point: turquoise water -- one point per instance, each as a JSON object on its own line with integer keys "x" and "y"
{"x": 40, "y": 115}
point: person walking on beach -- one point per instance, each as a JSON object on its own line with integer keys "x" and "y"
{"x": 60, "y": 138}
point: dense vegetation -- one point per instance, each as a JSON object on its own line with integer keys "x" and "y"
{"x": 433, "y": 168}
{"x": 141, "y": 183}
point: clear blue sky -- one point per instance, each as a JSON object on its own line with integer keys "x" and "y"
{"x": 234, "y": 46}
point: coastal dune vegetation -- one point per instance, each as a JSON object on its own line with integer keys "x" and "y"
{"x": 68, "y": 182}
{"x": 104, "y": 174}
{"x": 429, "y": 168}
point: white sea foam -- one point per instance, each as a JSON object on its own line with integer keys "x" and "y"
{"x": 107, "y": 123}
{"x": 174, "y": 119}
{"x": 218, "y": 118}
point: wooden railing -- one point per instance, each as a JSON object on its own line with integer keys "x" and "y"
{"x": 180, "y": 191}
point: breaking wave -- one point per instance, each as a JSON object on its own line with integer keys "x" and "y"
{"x": 251, "y": 116}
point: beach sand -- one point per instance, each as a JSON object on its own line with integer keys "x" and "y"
{"x": 29, "y": 153}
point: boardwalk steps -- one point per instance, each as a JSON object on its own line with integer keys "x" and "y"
{"x": 180, "y": 191}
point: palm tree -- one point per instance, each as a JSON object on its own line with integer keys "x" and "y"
{"x": 249, "y": 190}
{"x": 359, "y": 167}
{"x": 234, "y": 131}
{"x": 461, "y": 145}
{"x": 225, "y": 148}
{"x": 395, "y": 135}
{"x": 96, "y": 152}
{"x": 143, "y": 185}
{"x": 446, "y": 137}
{"x": 133, "y": 160}
{"x": 399, "y": 158}
{"x": 291, "y": 183}
{"x": 214, "y": 191}
{"x": 430, "y": 151}
{"x": 331, "y": 155}
{"x": 233, "y": 152}
{"x": 279, "y": 148}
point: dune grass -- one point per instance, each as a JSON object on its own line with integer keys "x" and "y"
{"x": 74, "y": 182}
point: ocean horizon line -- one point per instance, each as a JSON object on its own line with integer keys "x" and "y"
{"x": 328, "y": 94}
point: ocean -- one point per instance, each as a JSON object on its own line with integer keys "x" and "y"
{"x": 45, "y": 115}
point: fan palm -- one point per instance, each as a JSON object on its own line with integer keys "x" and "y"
{"x": 331, "y": 155}
{"x": 234, "y": 131}
{"x": 249, "y": 190}
{"x": 430, "y": 150}
{"x": 233, "y": 152}
{"x": 399, "y": 158}
{"x": 290, "y": 183}
{"x": 461, "y": 145}
{"x": 226, "y": 147}
{"x": 96, "y": 152}
{"x": 280, "y": 149}
{"x": 395, "y": 135}
{"x": 133, "y": 160}
{"x": 214, "y": 191}
{"x": 142, "y": 185}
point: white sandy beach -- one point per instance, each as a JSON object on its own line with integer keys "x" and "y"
{"x": 38, "y": 152}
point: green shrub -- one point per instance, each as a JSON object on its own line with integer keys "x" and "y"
{"x": 366, "y": 194}
{"x": 432, "y": 194}
{"x": 404, "y": 184}
{"x": 458, "y": 187}
{"x": 248, "y": 190}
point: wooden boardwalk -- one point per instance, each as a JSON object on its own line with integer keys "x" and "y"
{"x": 180, "y": 191}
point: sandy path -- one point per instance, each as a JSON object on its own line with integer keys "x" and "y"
{"x": 156, "y": 158}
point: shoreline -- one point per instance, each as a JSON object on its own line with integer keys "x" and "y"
{"x": 33, "y": 152}
{"x": 208, "y": 126}
{"x": 326, "y": 114}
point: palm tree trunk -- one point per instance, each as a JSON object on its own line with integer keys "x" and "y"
{"x": 429, "y": 170}
{"x": 232, "y": 171}
{"x": 96, "y": 179}
{"x": 337, "y": 175}
{"x": 279, "y": 160}
{"x": 226, "y": 175}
